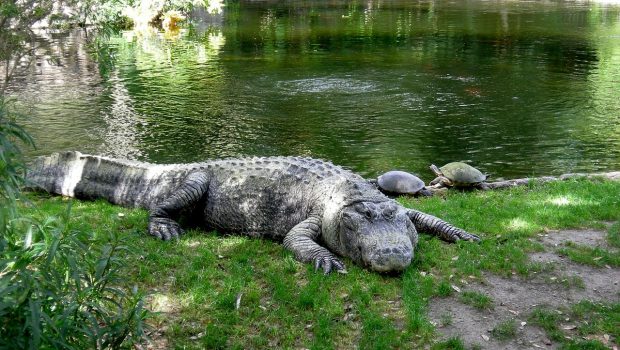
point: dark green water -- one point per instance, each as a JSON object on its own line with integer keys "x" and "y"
{"x": 516, "y": 88}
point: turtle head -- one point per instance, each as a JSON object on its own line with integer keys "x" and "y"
{"x": 378, "y": 235}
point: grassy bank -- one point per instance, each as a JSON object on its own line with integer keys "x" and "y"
{"x": 234, "y": 292}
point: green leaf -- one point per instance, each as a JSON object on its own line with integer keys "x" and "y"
{"x": 35, "y": 323}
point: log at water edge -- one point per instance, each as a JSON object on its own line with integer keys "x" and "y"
{"x": 614, "y": 176}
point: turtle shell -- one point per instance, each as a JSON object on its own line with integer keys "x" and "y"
{"x": 462, "y": 174}
{"x": 400, "y": 182}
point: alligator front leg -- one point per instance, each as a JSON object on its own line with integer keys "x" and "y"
{"x": 301, "y": 240}
{"x": 435, "y": 226}
{"x": 162, "y": 223}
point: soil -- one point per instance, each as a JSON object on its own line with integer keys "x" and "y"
{"x": 515, "y": 298}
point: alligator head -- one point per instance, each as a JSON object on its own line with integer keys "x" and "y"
{"x": 378, "y": 235}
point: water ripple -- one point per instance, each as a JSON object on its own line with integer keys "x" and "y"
{"x": 326, "y": 85}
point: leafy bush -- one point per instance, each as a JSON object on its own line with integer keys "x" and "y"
{"x": 12, "y": 167}
{"x": 59, "y": 287}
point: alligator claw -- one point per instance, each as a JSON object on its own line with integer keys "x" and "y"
{"x": 328, "y": 264}
{"x": 164, "y": 228}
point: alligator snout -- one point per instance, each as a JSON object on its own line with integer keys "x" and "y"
{"x": 391, "y": 259}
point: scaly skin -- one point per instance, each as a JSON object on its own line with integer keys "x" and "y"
{"x": 318, "y": 210}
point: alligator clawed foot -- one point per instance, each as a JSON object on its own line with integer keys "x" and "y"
{"x": 328, "y": 264}
{"x": 164, "y": 228}
{"x": 468, "y": 237}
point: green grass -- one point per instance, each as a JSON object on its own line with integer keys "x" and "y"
{"x": 478, "y": 300}
{"x": 586, "y": 319}
{"x": 570, "y": 281}
{"x": 450, "y": 344}
{"x": 445, "y": 319}
{"x": 613, "y": 236}
{"x": 590, "y": 256}
{"x": 549, "y": 320}
{"x": 505, "y": 330}
{"x": 585, "y": 345}
{"x": 597, "y": 318}
{"x": 194, "y": 282}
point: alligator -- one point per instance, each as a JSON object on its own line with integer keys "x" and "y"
{"x": 318, "y": 210}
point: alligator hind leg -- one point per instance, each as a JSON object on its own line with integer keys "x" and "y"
{"x": 435, "y": 226}
{"x": 162, "y": 223}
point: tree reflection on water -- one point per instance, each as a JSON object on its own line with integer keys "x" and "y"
{"x": 515, "y": 87}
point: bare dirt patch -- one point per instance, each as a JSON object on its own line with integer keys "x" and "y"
{"x": 591, "y": 238}
{"x": 561, "y": 284}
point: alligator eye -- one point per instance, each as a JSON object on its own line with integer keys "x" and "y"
{"x": 347, "y": 220}
{"x": 389, "y": 211}
{"x": 364, "y": 210}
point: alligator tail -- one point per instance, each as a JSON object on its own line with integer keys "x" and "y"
{"x": 126, "y": 183}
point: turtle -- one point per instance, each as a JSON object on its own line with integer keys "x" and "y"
{"x": 398, "y": 182}
{"x": 457, "y": 174}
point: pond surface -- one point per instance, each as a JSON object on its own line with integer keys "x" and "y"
{"x": 515, "y": 88}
